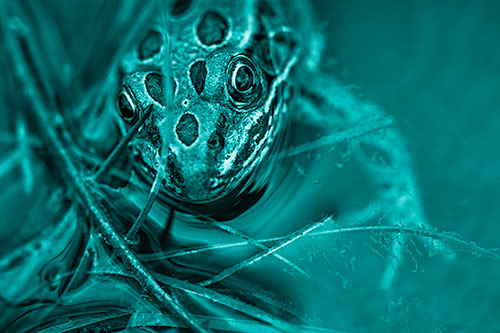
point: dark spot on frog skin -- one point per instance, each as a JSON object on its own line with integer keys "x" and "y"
{"x": 216, "y": 141}
{"x": 175, "y": 174}
{"x": 150, "y": 45}
{"x": 264, "y": 8}
{"x": 213, "y": 29}
{"x": 187, "y": 129}
{"x": 261, "y": 51}
{"x": 155, "y": 87}
{"x": 179, "y": 7}
{"x": 154, "y": 138}
{"x": 198, "y": 74}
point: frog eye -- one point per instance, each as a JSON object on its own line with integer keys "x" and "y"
{"x": 244, "y": 81}
{"x": 128, "y": 110}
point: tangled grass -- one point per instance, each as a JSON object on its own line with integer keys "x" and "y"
{"x": 71, "y": 261}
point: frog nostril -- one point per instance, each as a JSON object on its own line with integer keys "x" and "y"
{"x": 213, "y": 143}
{"x": 187, "y": 129}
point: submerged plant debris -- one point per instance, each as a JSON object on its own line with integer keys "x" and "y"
{"x": 199, "y": 166}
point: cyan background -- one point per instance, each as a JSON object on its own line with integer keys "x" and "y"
{"x": 435, "y": 66}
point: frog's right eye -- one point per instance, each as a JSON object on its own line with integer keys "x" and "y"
{"x": 128, "y": 109}
{"x": 244, "y": 82}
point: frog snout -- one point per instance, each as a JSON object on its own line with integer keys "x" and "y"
{"x": 191, "y": 177}
{"x": 192, "y": 167}
{"x": 187, "y": 131}
{"x": 195, "y": 144}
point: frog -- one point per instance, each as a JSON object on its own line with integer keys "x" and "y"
{"x": 229, "y": 66}
{"x": 211, "y": 93}
{"x": 220, "y": 83}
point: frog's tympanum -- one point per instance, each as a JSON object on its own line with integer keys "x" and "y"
{"x": 214, "y": 76}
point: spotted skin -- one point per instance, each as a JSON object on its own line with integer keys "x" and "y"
{"x": 228, "y": 65}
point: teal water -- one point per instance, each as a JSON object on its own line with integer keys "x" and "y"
{"x": 434, "y": 66}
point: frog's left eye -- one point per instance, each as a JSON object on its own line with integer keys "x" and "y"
{"x": 244, "y": 81}
{"x": 127, "y": 107}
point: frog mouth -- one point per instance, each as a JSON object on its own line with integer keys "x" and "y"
{"x": 197, "y": 177}
{"x": 192, "y": 183}
{"x": 219, "y": 197}
{"x": 205, "y": 179}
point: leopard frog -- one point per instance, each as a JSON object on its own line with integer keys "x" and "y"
{"x": 221, "y": 108}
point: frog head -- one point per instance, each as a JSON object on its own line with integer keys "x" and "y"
{"x": 213, "y": 76}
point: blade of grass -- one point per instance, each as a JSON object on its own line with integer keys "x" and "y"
{"x": 80, "y": 188}
{"x": 368, "y": 126}
{"x": 228, "y": 301}
{"x": 416, "y": 231}
{"x": 120, "y": 147}
{"x": 89, "y": 323}
{"x": 246, "y": 263}
{"x": 10, "y": 138}
{"x": 216, "y": 297}
{"x": 160, "y": 173}
{"x": 250, "y": 240}
{"x": 153, "y": 193}
{"x": 9, "y": 161}
{"x": 26, "y": 158}
{"x": 215, "y": 323}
